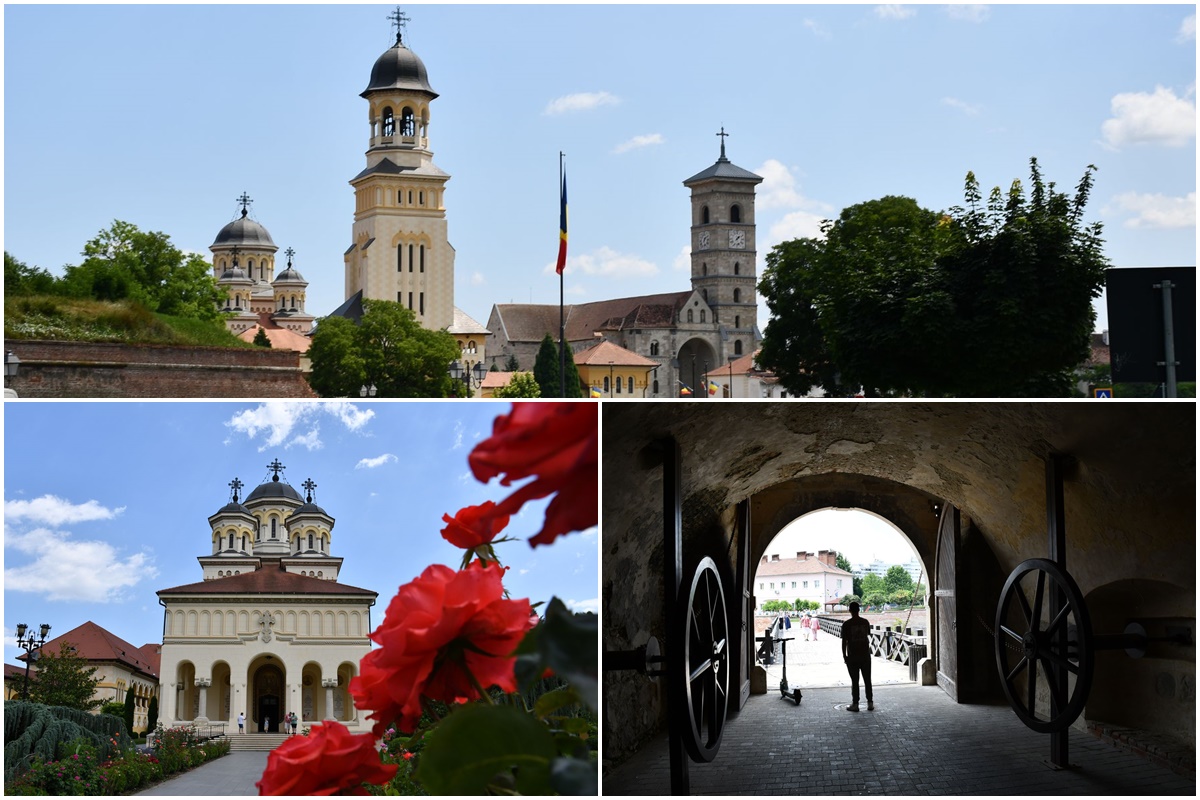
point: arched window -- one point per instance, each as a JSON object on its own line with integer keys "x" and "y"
{"x": 410, "y": 258}
{"x": 399, "y": 258}
{"x": 690, "y": 316}
{"x": 737, "y": 347}
{"x": 737, "y": 321}
{"x": 407, "y": 128}
{"x": 654, "y": 348}
{"x": 704, "y": 294}
{"x": 630, "y": 382}
{"x": 420, "y": 198}
{"x": 422, "y": 258}
{"x": 618, "y": 384}
{"x": 273, "y": 521}
{"x": 737, "y": 295}
{"x": 606, "y": 386}
{"x": 737, "y": 268}
{"x": 310, "y": 541}
{"x": 703, "y": 268}
{"x": 244, "y": 542}
{"x": 389, "y": 123}
{"x": 704, "y": 215}
{"x": 231, "y": 541}
{"x": 703, "y": 314}
{"x": 250, "y": 269}
{"x": 735, "y": 213}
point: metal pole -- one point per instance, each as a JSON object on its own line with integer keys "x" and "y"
{"x": 1056, "y": 528}
{"x": 672, "y": 580}
{"x": 1172, "y": 387}
{"x": 562, "y": 325}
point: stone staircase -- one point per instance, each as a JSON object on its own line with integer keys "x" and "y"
{"x": 255, "y": 742}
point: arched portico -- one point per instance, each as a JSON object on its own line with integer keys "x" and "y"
{"x": 267, "y": 699}
{"x": 695, "y": 360}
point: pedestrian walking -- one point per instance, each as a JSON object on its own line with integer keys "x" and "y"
{"x": 242, "y": 722}
{"x": 293, "y": 719}
{"x": 815, "y": 624}
{"x": 856, "y": 652}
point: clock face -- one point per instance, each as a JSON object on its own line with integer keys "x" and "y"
{"x": 704, "y": 240}
{"x": 737, "y": 239}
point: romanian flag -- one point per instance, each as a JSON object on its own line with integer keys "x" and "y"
{"x": 684, "y": 390}
{"x": 712, "y": 388}
{"x": 562, "y": 229}
{"x": 596, "y": 392}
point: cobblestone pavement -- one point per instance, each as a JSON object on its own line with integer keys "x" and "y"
{"x": 819, "y": 663}
{"x": 230, "y": 775}
{"x": 917, "y": 742}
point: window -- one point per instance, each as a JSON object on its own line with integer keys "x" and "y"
{"x": 737, "y": 347}
{"x": 839, "y": 585}
{"x": 273, "y": 521}
{"x": 399, "y": 297}
{"x": 816, "y": 584}
{"x": 806, "y": 584}
{"x": 400, "y": 258}
{"x": 422, "y": 299}
{"x": 410, "y": 301}
{"x": 656, "y": 386}
{"x": 619, "y": 382}
{"x": 793, "y": 584}
{"x": 690, "y": 316}
{"x": 772, "y": 586}
{"x": 737, "y": 268}
{"x": 654, "y": 348}
{"x": 606, "y": 385}
{"x": 422, "y": 258}
{"x": 737, "y": 295}
{"x": 704, "y": 293}
{"x": 231, "y": 541}
{"x": 703, "y": 268}
{"x": 244, "y": 542}
{"x": 407, "y": 128}
{"x": 310, "y": 541}
{"x": 762, "y": 586}
{"x": 410, "y": 258}
{"x": 737, "y": 321}
{"x": 704, "y": 215}
{"x": 389, "y": 122}
{"x": 629, "y": 381}
{"x": 735, "y": 213}
{"x": 703, "y": 314}
{"x": 410, "y": 197}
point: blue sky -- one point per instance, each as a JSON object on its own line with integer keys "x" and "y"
{"x": 162, "y": 115}
{"x": 108, "y": 502}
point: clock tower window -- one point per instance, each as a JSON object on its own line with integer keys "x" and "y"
{"x": 735, "y": 213}
{"x": 737, "y": 295}
{"x": 737, "y": 268}
{"x": 704, "y": 215}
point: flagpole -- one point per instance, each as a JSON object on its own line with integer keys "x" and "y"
{"x": 562, "y": 329}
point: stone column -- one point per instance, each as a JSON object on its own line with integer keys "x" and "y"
{"x": 203, "y": 684}
{"x": 330, "y": 684}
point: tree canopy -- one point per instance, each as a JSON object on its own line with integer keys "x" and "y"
{"x": 64, "y": 679}
{"x": 21, "y": 279}
{"x": 546, "y": 369}
{"x": 387, "y": 349}
{"x": 521, "y": 384}
{"x": 990, "y": 300}
{"x": 897, "y": 578}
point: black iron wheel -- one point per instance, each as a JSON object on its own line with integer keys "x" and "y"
{"x": 1030, "y": 644}
{"x": 701, "y": 671}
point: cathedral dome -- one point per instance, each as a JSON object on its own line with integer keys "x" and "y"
{"x": 235, "y": 274}
{"x": 233, "y": 507}
{"x": 275, "y": 488}
{"x": 289, "y": 275}
{"x": 399, "y": 68}
{"x": 244, "y": 232}
{"x": 309, "y": 508}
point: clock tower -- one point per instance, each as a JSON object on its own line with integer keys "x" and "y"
{"x": 723, "y": 250}
{"x": 400, "y": 250}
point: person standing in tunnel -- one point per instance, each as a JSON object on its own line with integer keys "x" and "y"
{"x": 856, "y": 652}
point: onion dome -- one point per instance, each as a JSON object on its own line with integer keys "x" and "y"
{"x": 310, "y": 508}
{"x": 275, "y": 488}
{"x": 399, "y": 68}
{"x": 235, "y": 274}
{"x": 233, "y": 508}
{"x": 244, "y": 232}
{"x": 291, "y": 274}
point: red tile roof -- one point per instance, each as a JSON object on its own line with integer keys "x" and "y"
{"x": 270, "y": 579}
{"x": 607, "y": 353}
{"x": 793, "y": 566}
{"x": 97, "y": 644}
{"x": 281, "y": 338}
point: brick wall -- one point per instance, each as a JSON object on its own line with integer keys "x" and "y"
{"x": 98, "y": 369}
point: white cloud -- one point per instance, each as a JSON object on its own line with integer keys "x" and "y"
{"x": 968, "y": 12}
{"x": 459, "y": 430}
{"x": 1187, "y": 30}
{"x": 477, "y": 279}
{"x": 817, "y": 29}
{"x": 608, "y": 263}
{"x": 797, "y": 225}
{"x": 969, "y": 109}
{"x": 592, "y": 605}
{"x": 582, "y": 101}
{"x": 637, "y": 142}
{"x": 378, "y": 461}
{"x": 1156, "y": 211}
{"x": 683, "y": 261}
{"x": 893, "y": 11}
{"x": 1151, "y": 118}
{"x": 74, "y": 571}
{"x": 51, "y": 510}
{"x": 778, "y": 189}
{"x": 277, "y": 421}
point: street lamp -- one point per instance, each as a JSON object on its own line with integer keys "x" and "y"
{"x": 31, "y": 644}
{"x": 11, "y": 363}
{"x": 610, "y": 379}
{"x": 367, "y": 391}
{"x": 471, "y": 377}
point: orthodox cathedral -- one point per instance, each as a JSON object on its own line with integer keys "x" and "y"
{"x": 268, "y": 629}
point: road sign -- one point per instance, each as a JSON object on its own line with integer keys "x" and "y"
{"x": 1105, "y": 392}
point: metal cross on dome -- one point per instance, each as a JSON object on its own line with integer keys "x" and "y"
{"x": 289, "y": 253}
{"x": 308, "y": 487}
{"x": 245, "y": 201}
{"x": 275, "y": 468}
{"x": 723, "y": 136}
{"x": 400, "y": 21}
{"x": 236, "y": 485}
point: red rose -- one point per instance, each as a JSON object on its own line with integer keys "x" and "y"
{"x": 473, "y": 526}
{"x": 330, "y": 760}
{"x": 435, "y": 628}
{"x": 558, "y": 443}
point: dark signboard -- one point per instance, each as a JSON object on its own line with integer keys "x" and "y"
{"x": 1135, "y": 323}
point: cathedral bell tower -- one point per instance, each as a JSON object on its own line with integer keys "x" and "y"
{"x": 723, "y": 250}
{"x": 400, "y": 250}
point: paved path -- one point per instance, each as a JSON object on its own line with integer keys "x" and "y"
{"x": 819, "y": 663}
{"x": 230, "y": 775}
{"x": 917, "y": 742}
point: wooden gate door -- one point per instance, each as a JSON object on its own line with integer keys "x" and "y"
{"x": 946, "y": 600}
{"x": 741, "y": 610}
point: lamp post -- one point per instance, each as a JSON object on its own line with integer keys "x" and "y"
{"x": 11, "y": 364}
{"x": 471, "y": 377}
{"x": 610, "y": 379}
{"x": 705, "y": 395}
{"x": 367, "y": 391}
{"x": 695, "y": 394}
{"x": 31, "y": 644}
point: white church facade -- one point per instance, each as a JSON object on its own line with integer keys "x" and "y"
{"x": 268, "y": 629}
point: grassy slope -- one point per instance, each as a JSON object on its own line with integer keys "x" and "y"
{"x": 78, "y": 320}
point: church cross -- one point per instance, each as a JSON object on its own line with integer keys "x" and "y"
{"x": 245, "y": 201}
{"x": 289, "y": 253}
{"x": 235, "y": 255}
{"x": 309, "y": 486}
{"x": 400, "y": 22}
{"x": 237, "y": 485}
{"x": 276, "y": 468}
{"x": 723, "y": 135}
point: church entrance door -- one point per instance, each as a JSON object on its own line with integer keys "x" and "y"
{"x": 268, "y": 686}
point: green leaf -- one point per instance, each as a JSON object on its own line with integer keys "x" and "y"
{"x": 566, "y": 643}
{"x": 481, "y": 746}
{"x": 550, "y": 702}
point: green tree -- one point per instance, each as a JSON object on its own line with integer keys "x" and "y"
{"x": 546, "y": 368}
{"x": 114, "y": 708}
{"x": 872, "y": 584}
{"x": 21, "y": 279}
{"x": 521, "y": 384}
{"x": 841, "y": 562}
{"x": 847, "y": 599}
{"x": 919, "y": 592}
{"x": 388, "y": 349}
{"x": 512, "y": 365}
{"x": 261, "y": 339}
{"x": 123, "y": 262}
{"x": 128, "y": 711}
{"x": 64, "y": 679}
{"x": 984, "y": 300}
{"x": 152, "y": 714}
{"x": 897, "y": 577}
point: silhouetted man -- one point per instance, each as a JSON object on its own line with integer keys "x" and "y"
{"x": 856, "y": 652}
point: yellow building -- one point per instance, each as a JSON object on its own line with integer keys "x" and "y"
{"x": 614, "y": 372}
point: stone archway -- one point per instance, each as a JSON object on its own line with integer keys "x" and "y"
{"x": 696, "y": 358}
{"x": 267, "y": 687}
